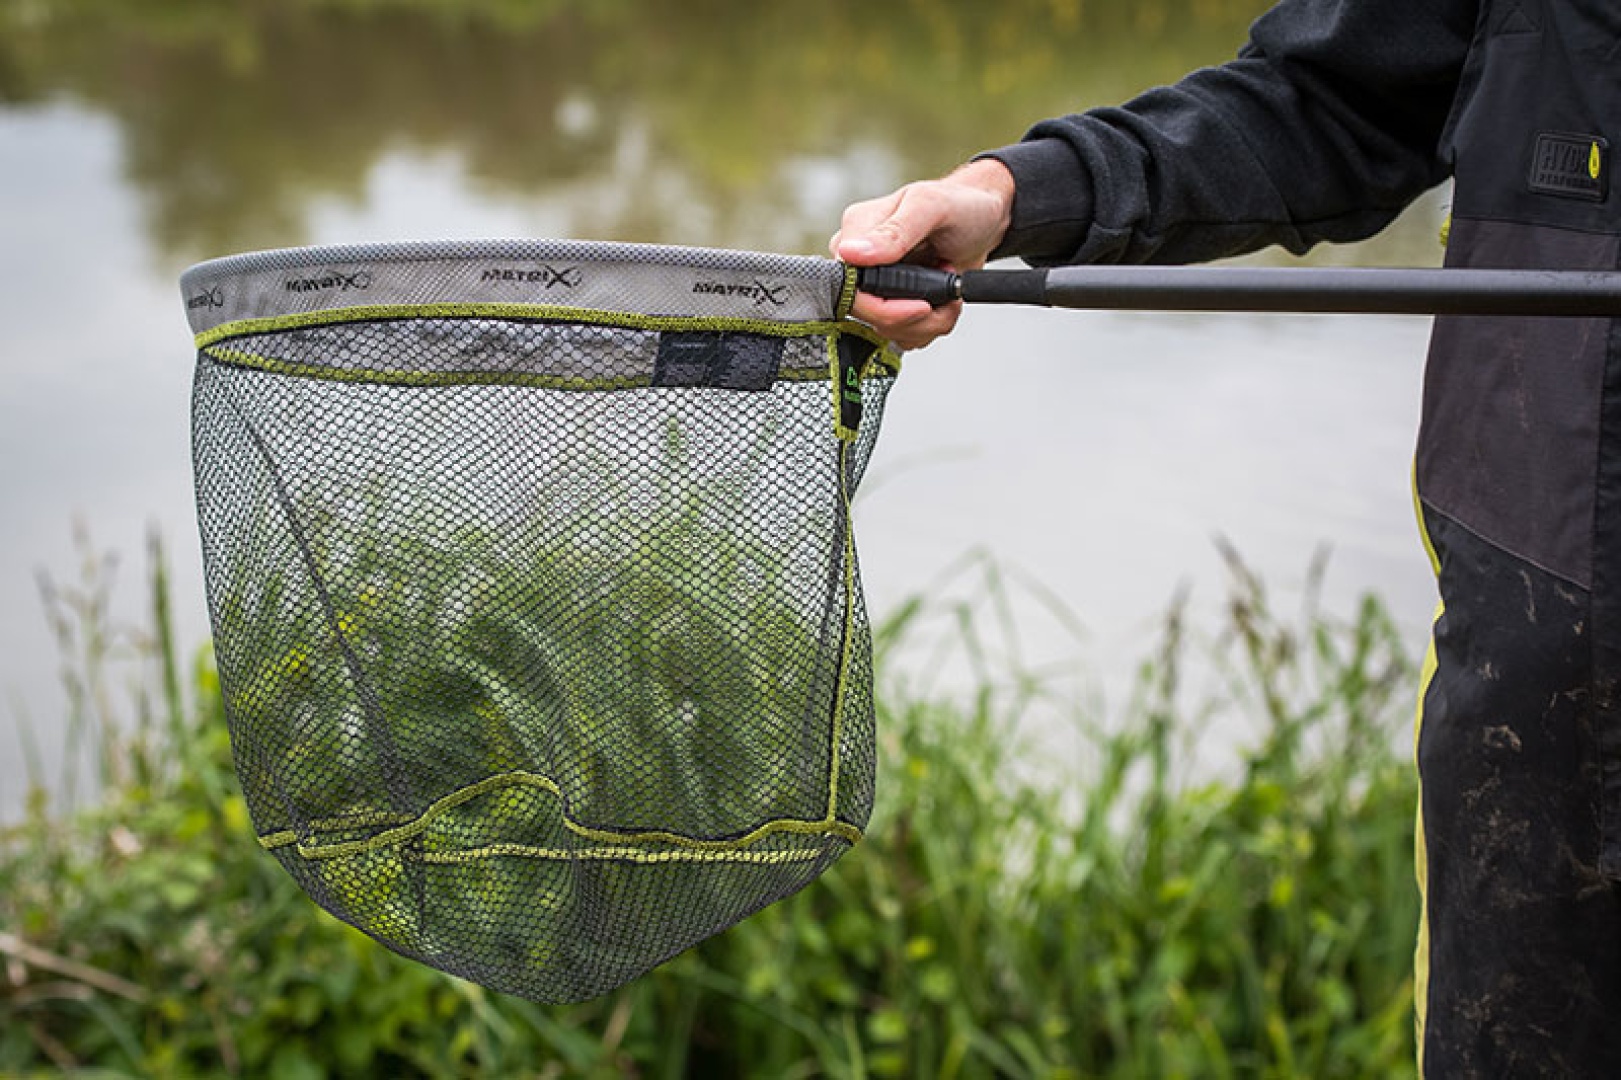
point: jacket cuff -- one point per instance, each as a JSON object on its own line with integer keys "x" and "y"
{"x": 1052, "y": 201}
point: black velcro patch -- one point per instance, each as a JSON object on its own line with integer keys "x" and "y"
{"x": 720, "y": 359}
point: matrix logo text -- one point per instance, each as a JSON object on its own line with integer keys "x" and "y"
{"x": 211, "y": 298}
{"x": 757, "y": 290}
{"x": 331, "y": 279}
{"x": 544, "y": 276}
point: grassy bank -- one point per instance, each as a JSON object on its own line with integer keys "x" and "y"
{"x": 1130, "y": 922}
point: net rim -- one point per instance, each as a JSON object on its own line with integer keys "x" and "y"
{"x": 661, "y": 279}
{"x": 395, "y": 251}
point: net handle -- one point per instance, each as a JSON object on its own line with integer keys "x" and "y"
{"x": 1334, "y": 290}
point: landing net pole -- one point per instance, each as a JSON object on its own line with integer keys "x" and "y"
{"x": 1344, "y": 290}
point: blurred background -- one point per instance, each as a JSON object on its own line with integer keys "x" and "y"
{"x": 1096, "y": 464}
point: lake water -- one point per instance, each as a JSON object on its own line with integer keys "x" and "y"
{"x": 1094, "y": 455}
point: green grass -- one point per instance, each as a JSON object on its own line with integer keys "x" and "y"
{"x": 1139, "y": 920}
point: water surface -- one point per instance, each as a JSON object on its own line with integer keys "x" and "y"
{"x": 1094, "y": 454}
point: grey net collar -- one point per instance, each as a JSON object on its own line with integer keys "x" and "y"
{"x": 631, "y": 279}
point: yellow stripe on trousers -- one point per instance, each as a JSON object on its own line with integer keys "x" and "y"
{"x": 1421, "y": 952}
{"x": 1421, "y": 864}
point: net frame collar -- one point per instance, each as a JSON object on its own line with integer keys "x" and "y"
{"x": 659, "y": 281}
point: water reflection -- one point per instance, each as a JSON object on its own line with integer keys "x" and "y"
{"x": 729, "y": 123}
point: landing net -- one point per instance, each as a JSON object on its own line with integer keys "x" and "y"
{"x": 533, "y": 588}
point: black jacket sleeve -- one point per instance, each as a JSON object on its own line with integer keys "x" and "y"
{"x": 1326, "y": 125}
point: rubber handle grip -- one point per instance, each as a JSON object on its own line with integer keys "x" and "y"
{"x": 902, "y": 281}
{"x": 1005, "y": 287}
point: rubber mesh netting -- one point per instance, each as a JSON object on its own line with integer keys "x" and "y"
{"x": 533, "y": 589}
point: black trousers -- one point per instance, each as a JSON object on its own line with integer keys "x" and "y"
{"x": 1519, "y": 958}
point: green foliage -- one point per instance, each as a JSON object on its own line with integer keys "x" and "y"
{"x": 1131, "y": 922}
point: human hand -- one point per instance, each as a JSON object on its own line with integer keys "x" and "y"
{"x": 953, "y": 223}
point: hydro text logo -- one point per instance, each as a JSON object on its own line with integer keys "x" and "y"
{"x": 757, "y": 290}
{"x": 543, "y": 275}
{"x": 331, "y": 279}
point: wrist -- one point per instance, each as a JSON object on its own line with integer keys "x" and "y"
{"x": 1052, "y": 216}
{"x": 992, "y": 178}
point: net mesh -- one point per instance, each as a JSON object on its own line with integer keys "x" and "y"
{"x": 539, "y": 624}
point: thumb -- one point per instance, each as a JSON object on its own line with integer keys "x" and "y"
{"x": 883, "y": 231}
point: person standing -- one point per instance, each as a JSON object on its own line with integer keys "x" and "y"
{"x": 1333, "y": 117}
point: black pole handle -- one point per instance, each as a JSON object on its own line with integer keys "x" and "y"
{"x": 1360, "y": 290}
{"x": 903, "y": 281}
